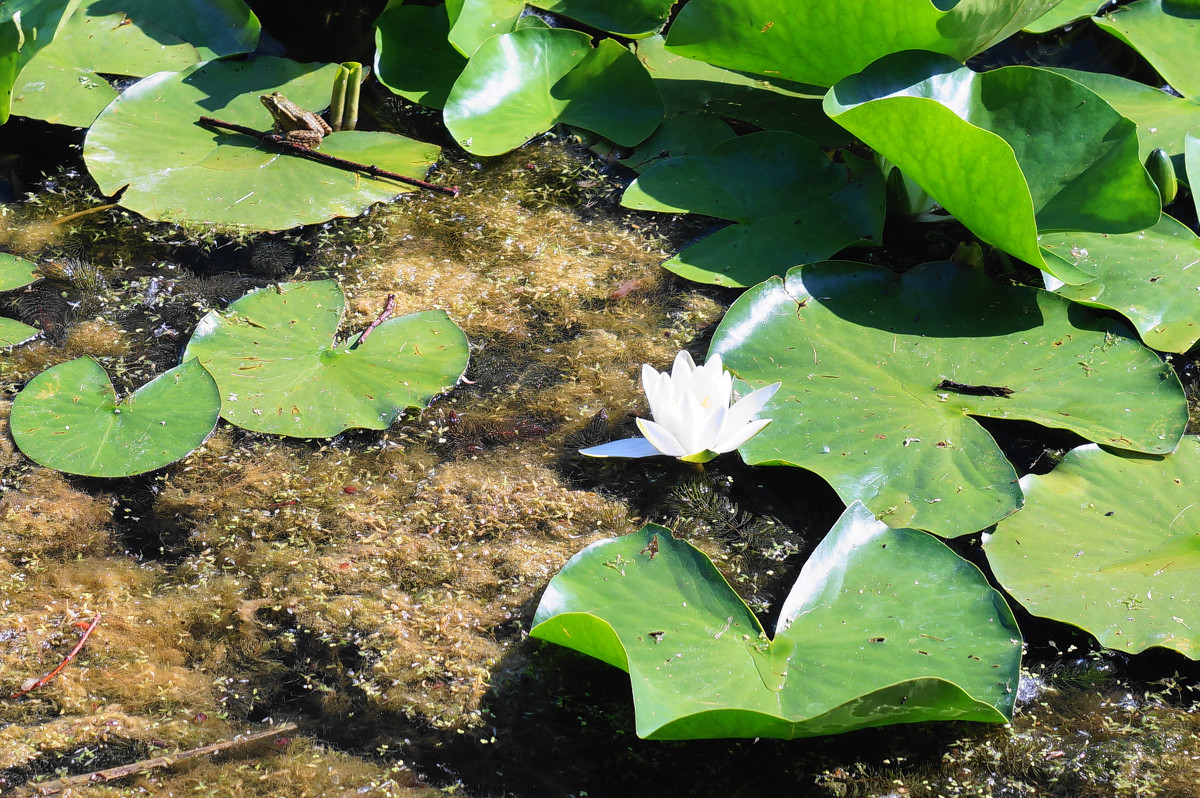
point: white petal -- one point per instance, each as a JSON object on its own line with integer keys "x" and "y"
{"x": 660, "y": 438}
{"x": 630, "y": 447}
{"x": 745, "y": 408}
{"x": 682, "y": 367}
{"x": 736, "y": 436}
{"x": 710, "y": 431}
{"x": 687, "y": 426}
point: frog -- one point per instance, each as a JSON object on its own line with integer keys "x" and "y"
{"x": 297, "y": 126}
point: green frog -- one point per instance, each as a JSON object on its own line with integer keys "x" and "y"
{"x": 300, "y": 127}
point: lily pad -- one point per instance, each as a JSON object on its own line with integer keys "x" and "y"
{"x": 1065, "y": 13}
{"x": 68, "y": 418}
{"x": 280, "y": 371}
{"x": 823, "y": 41}
{"x": 1152, "y": 277}
{"x": 1109, "y": 543}
{"x": 1168, "y": 40}
{"x": 882, "y": 626}
{"x": 150, "y": 139}
{"x": 882, "y": 373}
{"x": 412, "y": 55}
{"x": 135, "y": 38}
{"x": 15, "y": 271}
{"x": 695, "y": 87}
{"x": 473, "y": 22}
{"x": 1000, "y": 164}
{"x": 26, "y": 28}
{"x": 519, "y": 84}
{"x": 1162, "y": 119}
{"x": 792, "y": 205}
{"x": 13, "y": 332}
{"x": 630, "y": 18}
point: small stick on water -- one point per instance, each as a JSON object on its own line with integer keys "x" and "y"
{"x": 101, "y": 776}
{"x": 331, "y": 160}
{"x": 388, "y": 309}
{"x": 67, "y": 661}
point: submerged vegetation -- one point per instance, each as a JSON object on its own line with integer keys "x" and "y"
{"x": 369, "y": 546}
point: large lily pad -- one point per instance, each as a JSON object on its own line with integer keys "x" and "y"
{"x": 413, "y": 57}
{"x": 823, "y": 41}
{"x": 1169, "y": 40}
{"x": 473, "y": 22}
{"x": 792, "y": 205}
{"x": 178, "y": 170}
{"x": 1109, "y": 543}
{"x": 883, "y": 626}
{"x": 630, "y": 18}
{"x": 26, "y": 27}
{"x": 984, "y": 146}
{"x": 863, "y": 354}
{"x": 280, "y": 371}
{"x": 1162, "y": 119}
{"x": 1152, "y": 277}
{"x": 15, "y": 271}
{"x": 519, "y": 84}
{"x": 68, "y": 418}
{"x": 1065, "y": 13}
{"x": 63, "y": 84}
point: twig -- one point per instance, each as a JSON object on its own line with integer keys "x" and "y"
{"x": 388, "y": 309}
{"x": 67, "y": 661}
{"x": 100, "y": 776}
{"x": 331, "y": 160}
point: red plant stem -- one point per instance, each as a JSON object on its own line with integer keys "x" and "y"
{"x": 66, "y": 661}
{"x": 332, "y": 160}
{"x": 388, "y": 309}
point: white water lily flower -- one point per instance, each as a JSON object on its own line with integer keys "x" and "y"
{"x": 693, "y": 419}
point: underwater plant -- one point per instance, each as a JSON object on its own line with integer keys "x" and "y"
{"x": 694, "y": 419}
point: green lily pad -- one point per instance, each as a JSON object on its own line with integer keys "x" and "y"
{"x": 26, "y": 28}
{"x": 882, "y": 626}
{"x": 280, "y": 371}
{"x": 1109, "y": 543}
{"x": 473, "y": 22}
{"x": 823, "y": 41}
{"x": 1152, "y": 277}
{"x": 13, "y": 332}
{"x": 1169, "y": 41}
{"x": 1162, "y": 119}
{"x": 631, "y": 18}
{"x": 691, "y": 86}
{"x": 519, "y": 84}
{"x": 863, "y": 354}
{"x": 1063, "y": 14}
{"x": 15, "y": 271}
{"x": 792, "y": 205}
{"x": 412, "y": 55}
{"x": 62, "y": 84}
{"x": 984, "y": 147}
{"x": 68, "y": 418}
{"x": 178, "y": 170}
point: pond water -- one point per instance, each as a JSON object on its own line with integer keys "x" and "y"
{"x": 376, "y": 589}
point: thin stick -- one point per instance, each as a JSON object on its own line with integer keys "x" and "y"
{"x": 46, "y": 679}
{"x": 72, "y": 217}
{"x": 388, "y": 309}
{"x": 331, "y": 160}
{"x": 99, "y": 776}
